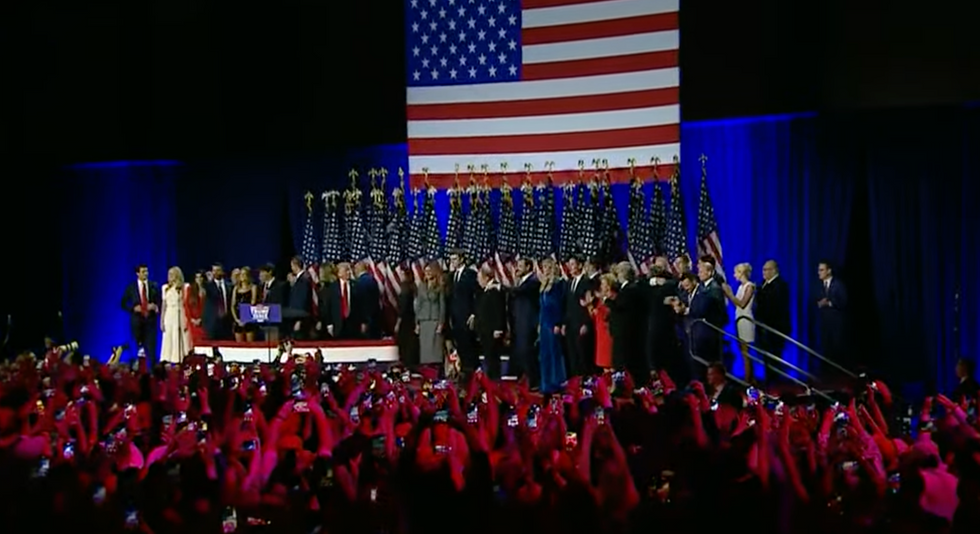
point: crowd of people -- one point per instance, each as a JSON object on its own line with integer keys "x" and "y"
{"x": 303, "y": 446}
{"x": 553, "y": 320}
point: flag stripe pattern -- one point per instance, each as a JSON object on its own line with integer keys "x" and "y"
{"x": 676, "y": 237}
{"x": 528, "y": 81}
{"x": 311, "y": 250}
{"x": 709, "y": 239}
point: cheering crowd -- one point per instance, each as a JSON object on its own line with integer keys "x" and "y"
{"x": 302, "y": 446}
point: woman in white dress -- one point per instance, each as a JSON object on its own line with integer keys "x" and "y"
{"x": 173, "y": 320}
{"x": 743, "y": 301}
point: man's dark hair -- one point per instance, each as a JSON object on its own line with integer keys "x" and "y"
{"x": 140, "y": 267}
{"x": 658, "y": 271}
{"x": 217, "y": 264}
{"x": 690, "y": 276}
{"x": 268, "y": 268}
{"x": 296, "y": 260}
{"x": 827, "y": 264}
{"x": 718, "y": 367}
{"x": 707, "y": 258}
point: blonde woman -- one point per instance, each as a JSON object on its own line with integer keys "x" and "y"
{"x": 174, "y": 322}
{"x": 245, "y": 293}
{"x": 550, "y": 354}
{"x": 430, "y": 314}
{"x": 743, "y": 301}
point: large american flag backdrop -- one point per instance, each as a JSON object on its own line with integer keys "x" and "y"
{"x": 537, "y": 81}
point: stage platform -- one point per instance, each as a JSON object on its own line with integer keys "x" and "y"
{"x": 359, "y": 351}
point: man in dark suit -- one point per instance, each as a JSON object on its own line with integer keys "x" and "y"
{"x": 338, "y": 316}
{"x": 967, "y": 386}
{"x": 662, "y": 346}
{"x": 722, "y": 391}
{"x": 626, "y": 321}
{"x": 524, "y": 310}
{"x": 490, "y": 322}
{"x": 366, "y": 302}
{"x": 707, "y": 303}
{"x": 772, "y": 309}
{"x": 831, "y": 312}
{"x": 462, "y": 288}
{"x": 299, "y": 311}
{"x": 273, "y": 291}
{"x": 578, "y": 330}
{"x": 141, "y": 300}
{"x": 218, "y": 299}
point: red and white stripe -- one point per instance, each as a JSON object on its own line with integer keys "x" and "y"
{"x": 710, "y": 245}
{"x": 600, "y": 80}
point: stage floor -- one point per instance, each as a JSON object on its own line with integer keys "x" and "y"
{"x": 359, "y": 351}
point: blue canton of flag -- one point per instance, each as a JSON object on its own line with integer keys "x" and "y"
{"x": 638, "y": 231}
{"x": 333, "y": 238}
{"x": 507, "y": 236}
{"x": 611, "y": 246}
{"x": 545, "y": 243}
{"x": 485, "y": 241}
{"x": 676, "y": 240}
{"x": 354, "y": 231}
{"x": 528, "y": 229}
{"x": 709, "y": 238}
{"x": 588, "y": 220}
{"x": 430, "y": 225}
{"x": 568, "y": 244}
{"x": 658, "y": 219}
{"x": 454, "y": 227}
{"x": 453, "y": 42}
{"x": 471, "y": 235}
{"x": 310, "y": 250}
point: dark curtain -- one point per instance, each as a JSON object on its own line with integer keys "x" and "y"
{"x": 778, "y": 194}
{"x": 115, "y": 216}
{"x": 921, "y": 176}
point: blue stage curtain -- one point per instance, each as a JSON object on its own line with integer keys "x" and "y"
{"x": 777, "y": 195}
{"x": 115, "y": 217}
{"x": 922, "y": 184}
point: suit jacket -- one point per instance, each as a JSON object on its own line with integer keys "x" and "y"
{"x": 832, "y": 316}
{"x": 577, "y": 315}
{"x": 708, "y": 303}
{"x": 772, "y": 304}
{"x": 461, "y": 298}
{"x": 525, "y": 306}
{"x": 366, "y": 303}
{"x": 276, "y": 293}
{"x": 626, "y": 318}
{"x": 301, "y": 294}
{"x": 731, "y": 395}
{"x": 131, "y": 296}
{"x": 491, "y": 312}
{"x": 660, "y": 317}
{"x": 331, "y": 309}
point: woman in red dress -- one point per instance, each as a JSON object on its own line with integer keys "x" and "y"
{"x": 194, "y": 307}
{"x": 600, "y": 317}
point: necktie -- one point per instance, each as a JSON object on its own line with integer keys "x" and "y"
{"x": 458, "y": 275}
{"x": 343, "y": 299}
{"x": 223, "y": 305}
{"x": 144, "y": 302}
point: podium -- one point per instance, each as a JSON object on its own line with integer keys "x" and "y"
{"x": 266, "y": 316}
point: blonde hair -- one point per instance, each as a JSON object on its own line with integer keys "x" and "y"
{"x": 178, "y": 275}
{"x": 609, "y": 279}
{"x": 438, "y": 277}
{"x": 745, "y": 268}
{"x": 328, "y": 273}
{"x": 547, "y": 267}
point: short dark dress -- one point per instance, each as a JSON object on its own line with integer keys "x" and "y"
{"x": 240, "y": 297}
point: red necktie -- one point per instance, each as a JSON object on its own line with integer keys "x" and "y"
{"x": 144, "y": 304}
{"x": 343, "y": 299}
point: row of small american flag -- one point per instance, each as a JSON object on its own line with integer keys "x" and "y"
{"x": 396, "y": 233}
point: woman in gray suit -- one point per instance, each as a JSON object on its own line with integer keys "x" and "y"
{"x": 430, "y": 314}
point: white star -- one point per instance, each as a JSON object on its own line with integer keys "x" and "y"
{"x": 433, "y": 3}
{"x": 493, "y": 72}
{"x": 481, "y": 34}
{"x": 425, "y": 63}
{"x": 501, "y": 8}
{"x": 492, "y": 47}
{"x": 482, "y": 59}
{"x": 452, "y": 74}
{"x": 415, "y": 27}
{"x": 503, "y": 58}
{"x": 452, "y": 2}
{"x": 432, "y": 25}
{"x": 472, "y": 72}
{"x": 492, "y": 22}
{"x": 512, "y": 45}
{"x": 471, "y": 23}
{"x": 425, "y": 39}
{"x": 415, "y": 4}
{"x": 424, "y": 14}
{"x": 433, "y": 50}
{"x": 471, "y": 1}
{"x": 481, "y": 10}
{"x": 462, "y": 12}
{"x": 471, "y": 47}
{"x": 415, "y": 51}
{"x": 443, "y": 62}
{"x": 512, "y": 20}
{"x": 452, "y": 49}
{"x": 442, "y": 13}
{"x": 513, "y": 70}
{"x": 435, "y": 74}
{"x": 416, "y": 75}
{"x": 502, "y": 33}
{"x": 452, "y": 25}
{"x": 462, "y": 60}
{"x": 462, "y": 36}
{"x": 442, "y": 37}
